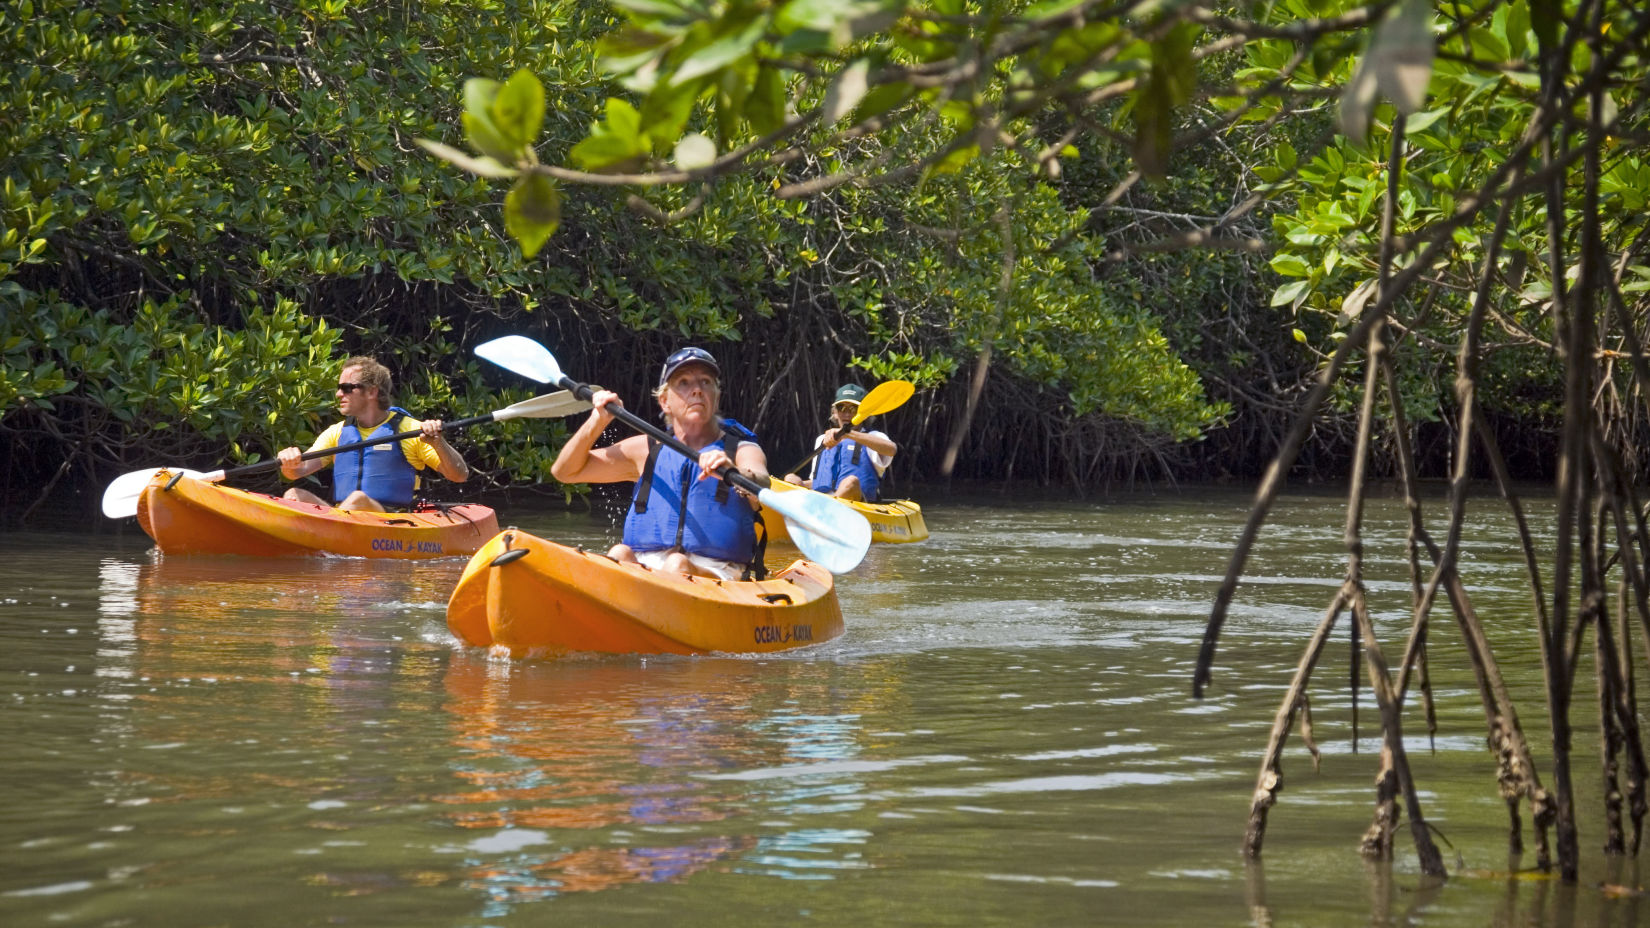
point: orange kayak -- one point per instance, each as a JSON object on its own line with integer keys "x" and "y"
{"x": 196, "y": 517}
{"x": 895, "y": 521}
{"x": 541, "y": 599}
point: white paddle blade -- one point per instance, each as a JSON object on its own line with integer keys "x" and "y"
{"x": 825, "y": 531}
{"x": 548, "y": 406}
{"x": 522, "y": 355}
{"x": 121, "y": 498}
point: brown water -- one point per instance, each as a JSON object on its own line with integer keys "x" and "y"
{"x": 1004, "y": 736}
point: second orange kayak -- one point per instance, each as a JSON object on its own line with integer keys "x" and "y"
{"x": 197, "y": 517}
{"x": 895, "y": 521}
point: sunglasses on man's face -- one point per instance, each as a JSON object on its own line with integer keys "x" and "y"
{"x": 350, "y": 387}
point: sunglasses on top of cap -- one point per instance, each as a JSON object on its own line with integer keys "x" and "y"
{"x": 683, "y": 357}
{"x": 690, "y": 354}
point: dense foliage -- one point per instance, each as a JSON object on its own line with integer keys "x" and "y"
{"x": 207, "y": 204}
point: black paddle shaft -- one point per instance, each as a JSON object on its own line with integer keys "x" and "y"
{"x": 730, "y": 473}
{"x": 273, "y": 463}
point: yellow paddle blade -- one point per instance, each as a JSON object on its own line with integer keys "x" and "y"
{"x": 884, "y": 397}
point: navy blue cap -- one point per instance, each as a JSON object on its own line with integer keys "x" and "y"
{"x": 687, "y": 356}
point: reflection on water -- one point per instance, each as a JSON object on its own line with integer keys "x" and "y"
{"x": 1003, "y": 737}
{"x": 618, "y": 754}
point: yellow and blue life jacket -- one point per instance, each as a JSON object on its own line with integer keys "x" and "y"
{"x": 382, "y": 471}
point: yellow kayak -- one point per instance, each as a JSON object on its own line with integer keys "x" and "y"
{"x": 199, "y": 517}
{"x": 542, "y": 599}
{"x": 897, "y": 521}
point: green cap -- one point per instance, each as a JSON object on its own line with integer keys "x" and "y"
{"x": 849, "y": 393}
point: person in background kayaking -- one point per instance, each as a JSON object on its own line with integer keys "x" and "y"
{"x": 383, "y": 477}
{"x": 682, "y": 518}
{"x": 850, "y": 467}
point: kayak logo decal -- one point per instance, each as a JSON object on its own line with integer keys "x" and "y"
{"x": 406, "y": 547}
{"x": 783, "y": 634}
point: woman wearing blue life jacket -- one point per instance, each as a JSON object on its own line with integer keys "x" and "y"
{"x": 850, "y": 467}
{"x": 682, "y": 517}
{"x": 384, "y": 477}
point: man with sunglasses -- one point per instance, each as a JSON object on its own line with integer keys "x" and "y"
{"x": 850, "y": 467}
{"x": 682, "y": 518}
{"x": 383, "y": 477}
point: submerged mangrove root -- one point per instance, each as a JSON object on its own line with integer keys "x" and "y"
{"x": 1554, "y": 174}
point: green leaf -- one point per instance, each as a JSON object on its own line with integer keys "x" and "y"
{"x": 518, "y": 109}
{"x": 1489, "y": 45}
{"x": 1512, "y": 20}
{"x": 956, "y": 160}
{"x": 722, "y": 52}
{"x": 1293, "y": 292}
{"x": 1420, "y": 122}
{"x": 1049, "y": 8}
{"x": 479, "y": 93}
{"x": 532, "y": 212}
{"x": 615, "y": 142}
{"x": 630, "y": 48}
{"x": 662, "y": 9}
{"x": 842, "y": 21}
{"x": 1172, "y": 76}
{"x": 665, "y": 111}
{"x": 765, "y": 107}
{"x": 484, "y": 137}
{"x": 1545, "y": 16}
{"x": 1291, "y": 265}
{"x": 882, "y": 99}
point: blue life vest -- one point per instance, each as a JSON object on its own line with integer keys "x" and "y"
{"x": 847, "y": 458}
{"x": 382, "y": 471}
{"x": 673, "y": 508}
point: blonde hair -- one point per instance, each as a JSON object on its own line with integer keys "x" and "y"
{"x": 372, "y": 374}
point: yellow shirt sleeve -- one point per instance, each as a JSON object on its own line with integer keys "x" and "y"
{"x": 416, "y": 450}
{"x": 328, "y": 439}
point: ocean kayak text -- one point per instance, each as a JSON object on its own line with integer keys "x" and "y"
{"x": 779, "y": 634}
{"x": 410, "y": 547}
